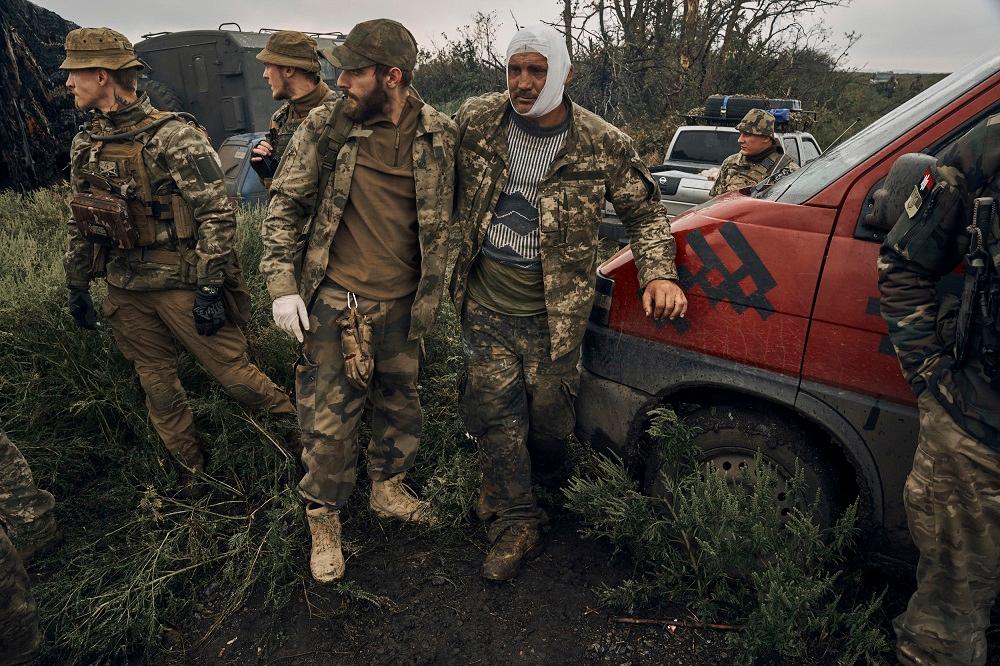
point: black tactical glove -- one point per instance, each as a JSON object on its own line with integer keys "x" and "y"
{"x": 81, "y": 306}
{"x": 264, "y": 166}
{"x": 209, "y": 311}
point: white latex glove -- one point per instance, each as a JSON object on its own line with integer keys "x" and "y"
{"x": 288, "y": 312}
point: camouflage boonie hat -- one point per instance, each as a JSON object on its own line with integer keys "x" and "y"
{"x": 291, "y": 49}
{"x": 99, "y": 47}
{"x": 375, "y": 42}
{"x": 757, "y": 121}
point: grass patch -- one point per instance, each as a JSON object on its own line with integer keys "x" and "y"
{"x": 719, "y": 548}
{"x": 135, "y": 563}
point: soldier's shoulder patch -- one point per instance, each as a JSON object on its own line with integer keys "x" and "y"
{"x": 206, "y": 166}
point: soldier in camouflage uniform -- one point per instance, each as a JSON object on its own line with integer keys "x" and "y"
{"x": 532, "y": 180}
{"x": 173, "y": 276}
{"x": 365, "y": 194}
{"x": 291, "y": 68}
{"x": 952, "y": 495}
{"x": 24, "y": 506}
{"x": 760, "y": 156}
{"x": 25, "y": 514}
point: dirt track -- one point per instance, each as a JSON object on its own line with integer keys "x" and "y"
{"x": 437, "y": 610}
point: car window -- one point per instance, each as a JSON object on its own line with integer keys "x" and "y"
{"x": 810, "y": 150}
{"x": 704, "y": 146}
{"x": 792, "y": 149}
{"x": 805, "y": 183}
{"x": 231, "y": 155}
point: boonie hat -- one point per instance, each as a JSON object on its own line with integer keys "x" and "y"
{"x": 99, "y": 47}
{"x": 757, "y": 121}
{"x": 375, "y": 42}
{"x": 291, "y": 49}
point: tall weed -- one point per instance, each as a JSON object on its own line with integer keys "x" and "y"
{"x": 720, "y": 547}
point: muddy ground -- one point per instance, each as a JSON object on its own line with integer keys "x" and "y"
{"x": 433, "y": 608}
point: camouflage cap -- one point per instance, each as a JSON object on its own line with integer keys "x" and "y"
{"x": 291, "y": 49}
{"x": 375, "y": 42}
{"x": 757, "y": 121}
{"x": 99, "y": 47}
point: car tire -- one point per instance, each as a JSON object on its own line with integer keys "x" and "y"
{"x": 161, "y": 96}
{"x": 730, "y": 436}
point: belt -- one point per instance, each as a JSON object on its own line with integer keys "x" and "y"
{"x": 166, "y": 257}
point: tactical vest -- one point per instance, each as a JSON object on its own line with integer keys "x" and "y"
{"x": 286, "y": 129}
{"x": 978, "y": 324}
{"x": 116, "y": 205}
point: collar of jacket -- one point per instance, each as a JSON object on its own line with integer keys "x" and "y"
{"x": 495, "y": 121}
{"x": 431, "y": 120}
{"x": 127, "y": 115}
{"x": 303, "y": 105}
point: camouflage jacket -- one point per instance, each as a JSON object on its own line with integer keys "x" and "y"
{"x": 178, "y": 159}
{"x": 916, "y": 254}
{"x": 294, "y": 190}
{"x": 597, "y": 162}
{"x": 738, "y": 172}
{"x": 290, "y": 115}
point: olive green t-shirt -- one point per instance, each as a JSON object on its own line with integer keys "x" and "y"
{"x": 376, "y": 250}
{"x": 506, "y": 289}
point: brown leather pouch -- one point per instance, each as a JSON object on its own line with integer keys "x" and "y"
{"x": 103, "y": 219}
{"x": 356, "y": 344}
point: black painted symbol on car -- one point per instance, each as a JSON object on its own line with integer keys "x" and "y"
{"x": 744, "y": 287}
{"x": 884, "y": 343}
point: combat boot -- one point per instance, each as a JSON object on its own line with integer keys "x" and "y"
{"x": 392, "y": 499}
{"x": 326, "y": 560}
{"x": 190, "y": 470}
{"x": 36, "y": 537}
{"x": 514, "y": 546}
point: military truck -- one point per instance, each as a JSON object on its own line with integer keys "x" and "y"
{"x": 215, "y": 75}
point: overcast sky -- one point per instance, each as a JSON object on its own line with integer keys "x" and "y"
{"x": 920, "y": 35}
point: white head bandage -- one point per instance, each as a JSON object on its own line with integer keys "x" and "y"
{"x": 550, "y": 43}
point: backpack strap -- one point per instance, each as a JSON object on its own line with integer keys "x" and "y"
{"x": 333, "y": 138}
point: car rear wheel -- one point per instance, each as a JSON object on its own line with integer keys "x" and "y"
{"x": 730, "y": 436}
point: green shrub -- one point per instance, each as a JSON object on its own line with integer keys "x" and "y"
{"x": 720, "y": 547}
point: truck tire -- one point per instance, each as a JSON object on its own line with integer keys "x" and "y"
{"x": 161, "y": 96}
{"x": 730, "y": 436}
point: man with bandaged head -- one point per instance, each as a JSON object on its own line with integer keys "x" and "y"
{"x": 534, "y": 170}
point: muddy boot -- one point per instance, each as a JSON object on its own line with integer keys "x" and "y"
{"x": 326, "y": 560}
{"x": 392, "y": 499}
{"x": 190, "y": 484}
{"x": 36, "y": 537}
{"x": 514, "y": 546}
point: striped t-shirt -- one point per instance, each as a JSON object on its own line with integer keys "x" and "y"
{"x": 512, "y": 238}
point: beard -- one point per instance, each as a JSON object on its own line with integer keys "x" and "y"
{"x": 282, "y": 92}
{"x": 361, "y": 109}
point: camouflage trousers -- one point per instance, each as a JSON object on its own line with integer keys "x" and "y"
{"x": 952, "y": 499}
{"x": 19, "y": 635}
{"x": 147, "y": 327}
{"x": 26, "y": 509}
{"x": 330, "y": 407}
{"x": 519, "y": 405}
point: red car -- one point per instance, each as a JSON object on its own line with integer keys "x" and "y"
{"x": 783, "y": 348}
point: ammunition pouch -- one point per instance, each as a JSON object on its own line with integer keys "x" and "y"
{"x": 356, "y": 344}
{"x": 104, "y": 219}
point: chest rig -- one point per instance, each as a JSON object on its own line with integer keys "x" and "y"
{"x": 116, "y": 206}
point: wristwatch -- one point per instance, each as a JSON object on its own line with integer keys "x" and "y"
{"x": 209, "y": 290}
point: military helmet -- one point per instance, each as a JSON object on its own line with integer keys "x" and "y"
{"x": 99, "y": 47}
{"x": 375, "y": 42}
{"x": 757, "y": 121}
{"x": 291, "y": 49}
{"x": 908, "y": 186}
